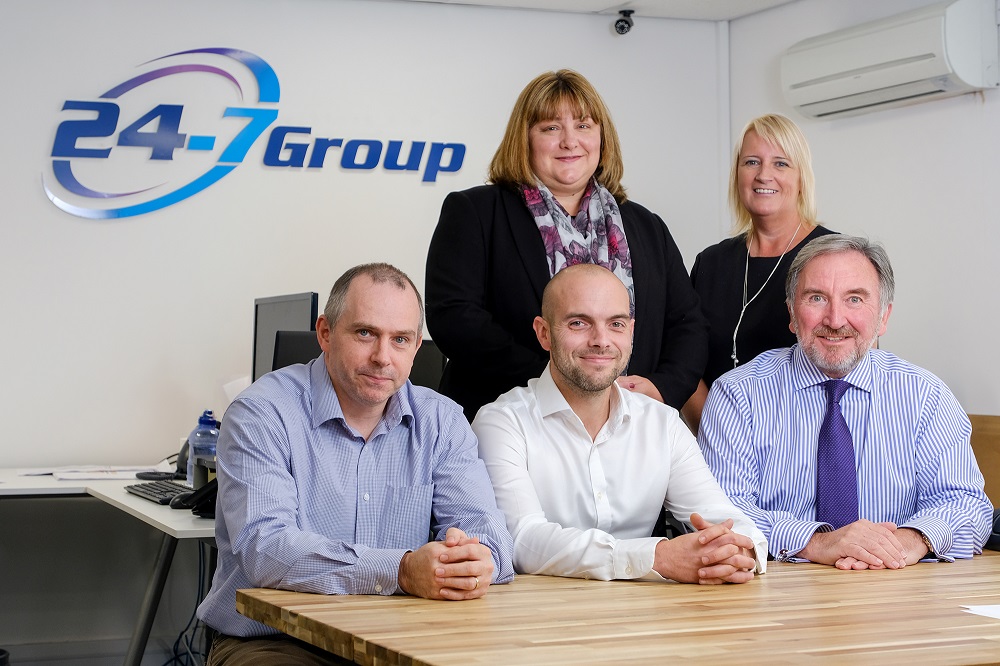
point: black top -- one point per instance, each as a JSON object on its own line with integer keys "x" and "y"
{"x": 486, "y": 269}
{"x": 718, "y": 278}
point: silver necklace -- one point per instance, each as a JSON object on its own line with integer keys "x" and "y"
{"x": 746, "y": 273}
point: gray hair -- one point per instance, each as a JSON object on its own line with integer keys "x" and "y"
{"x": 379, "y": 273}
{"x": 839, "y": 243}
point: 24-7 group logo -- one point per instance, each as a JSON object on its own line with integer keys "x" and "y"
{"x": 134, "y": 150}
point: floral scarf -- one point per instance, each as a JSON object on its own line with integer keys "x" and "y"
{"x": 595, "y": 236}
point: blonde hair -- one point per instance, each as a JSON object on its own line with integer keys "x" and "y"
{"x": 785, "y": 135}
{"x": 541, "y": 100}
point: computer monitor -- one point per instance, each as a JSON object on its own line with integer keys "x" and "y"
{"x": 292, "y": 312}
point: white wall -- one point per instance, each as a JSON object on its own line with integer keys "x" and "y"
{"x": 921, "y": 179}
{"x": 118, "y": 333}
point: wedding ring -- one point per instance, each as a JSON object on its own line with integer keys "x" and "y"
{"x": 477, "y": 583}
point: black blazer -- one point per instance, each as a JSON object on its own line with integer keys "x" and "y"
{"x": 486, "y": 269}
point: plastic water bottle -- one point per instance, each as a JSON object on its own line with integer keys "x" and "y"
{"x": 201, "y": 446}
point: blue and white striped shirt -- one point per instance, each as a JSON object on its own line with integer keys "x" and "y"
{"x": 759, "y": 434}
{"x": 306, "y": 504}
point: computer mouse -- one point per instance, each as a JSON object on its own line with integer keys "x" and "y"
{"x": 180, "y": 501}
{"x": 155, "y": 476}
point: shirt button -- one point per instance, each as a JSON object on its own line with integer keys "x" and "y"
{"x": 366, "y": 497}
{"x": 628, "y": 571}
{"x": 378, "y": 588}
{"x": 600, "y": 496}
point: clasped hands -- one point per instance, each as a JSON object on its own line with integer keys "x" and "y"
{"x": 712, "y": 555}
{"x": 454, "y": 569}
{"x": 866, "y": 545}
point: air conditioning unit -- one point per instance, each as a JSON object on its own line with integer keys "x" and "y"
{"x": 945, "y": 49}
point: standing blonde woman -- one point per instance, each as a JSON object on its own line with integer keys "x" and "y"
{"x": 741, "y": 281}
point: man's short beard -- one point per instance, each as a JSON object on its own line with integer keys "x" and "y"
{"x": 840, "y": 368}
{"x": 586, "y": 383}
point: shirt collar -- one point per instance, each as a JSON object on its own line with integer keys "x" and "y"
{"x": 326, "y": 406}
{"x": 806, "y": 374}
{"x": 550, "y": 398}
{"x": 552, "y": 401}
{"x": 620, "y": 408}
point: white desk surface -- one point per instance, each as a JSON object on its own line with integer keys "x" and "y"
{"x": 180, "y": 524}
{"x": 13, "y": 485}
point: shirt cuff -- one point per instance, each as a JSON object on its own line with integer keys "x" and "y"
{"x": 760, "y": 556}
{"x": 938, "y": 533}
{"x": 788, "y": 537}
{"x": 377, "y": 572}
{"x": 633, "y": 558}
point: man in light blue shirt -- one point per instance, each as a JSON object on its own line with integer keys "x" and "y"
{"x": 332, "y": 475}
{"x": 914, "y": 490}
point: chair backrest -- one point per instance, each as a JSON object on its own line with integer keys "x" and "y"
{"x": 301, "y": 347}
{"x": 294, "y": 347}
{"x": 428, "y": 365}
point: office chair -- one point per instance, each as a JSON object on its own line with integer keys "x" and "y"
{"x": 428, "y": 365}
{"x": 993, "y": 543}
{"x": 292, "y": 347}
{"x": 301, "y": 347}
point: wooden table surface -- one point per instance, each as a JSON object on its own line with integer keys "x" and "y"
{"x": 796, "y": 613}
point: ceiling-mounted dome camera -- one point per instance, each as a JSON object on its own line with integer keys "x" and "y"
{"x": 624, "y": 21}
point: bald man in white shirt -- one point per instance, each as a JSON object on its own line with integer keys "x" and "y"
{"x": 581, "y": 466}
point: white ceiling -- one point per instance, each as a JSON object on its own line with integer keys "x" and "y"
{"x": 706, "y": 10}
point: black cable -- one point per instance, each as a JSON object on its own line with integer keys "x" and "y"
{"x": 185, "y": 651}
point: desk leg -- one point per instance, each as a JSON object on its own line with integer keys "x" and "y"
{"x": 137, "y": 644}
{"x": 208, "y": 635}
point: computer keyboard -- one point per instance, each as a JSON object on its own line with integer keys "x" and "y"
{"x": 160, "y": 492}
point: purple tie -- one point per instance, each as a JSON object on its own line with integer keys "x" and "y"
{"x": 836, "y": 473}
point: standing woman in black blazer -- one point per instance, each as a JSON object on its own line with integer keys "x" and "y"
{"x": 555, "y": 199}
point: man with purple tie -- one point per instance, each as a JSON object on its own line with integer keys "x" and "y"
{"x": 842, "y": 453}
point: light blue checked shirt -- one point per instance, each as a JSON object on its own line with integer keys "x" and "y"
{"x": 306, "y": 504}
{"x": 759, "y": 434}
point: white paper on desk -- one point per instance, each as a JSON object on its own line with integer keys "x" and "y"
{"x": 985, "y": 611}
{"x": 99, "y": 474}
{"x": 77, "y": 472}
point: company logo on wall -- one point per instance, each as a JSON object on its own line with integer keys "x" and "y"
{"x": 135, "y": 150}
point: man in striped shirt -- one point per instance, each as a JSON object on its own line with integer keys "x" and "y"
{"x": 918, "y": 492}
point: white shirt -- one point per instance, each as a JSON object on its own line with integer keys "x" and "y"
{"x": 585, "y": 508}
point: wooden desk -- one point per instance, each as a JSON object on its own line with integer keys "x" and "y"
{"x": 986, "y": 446}
{"x": 796, "y": 613}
